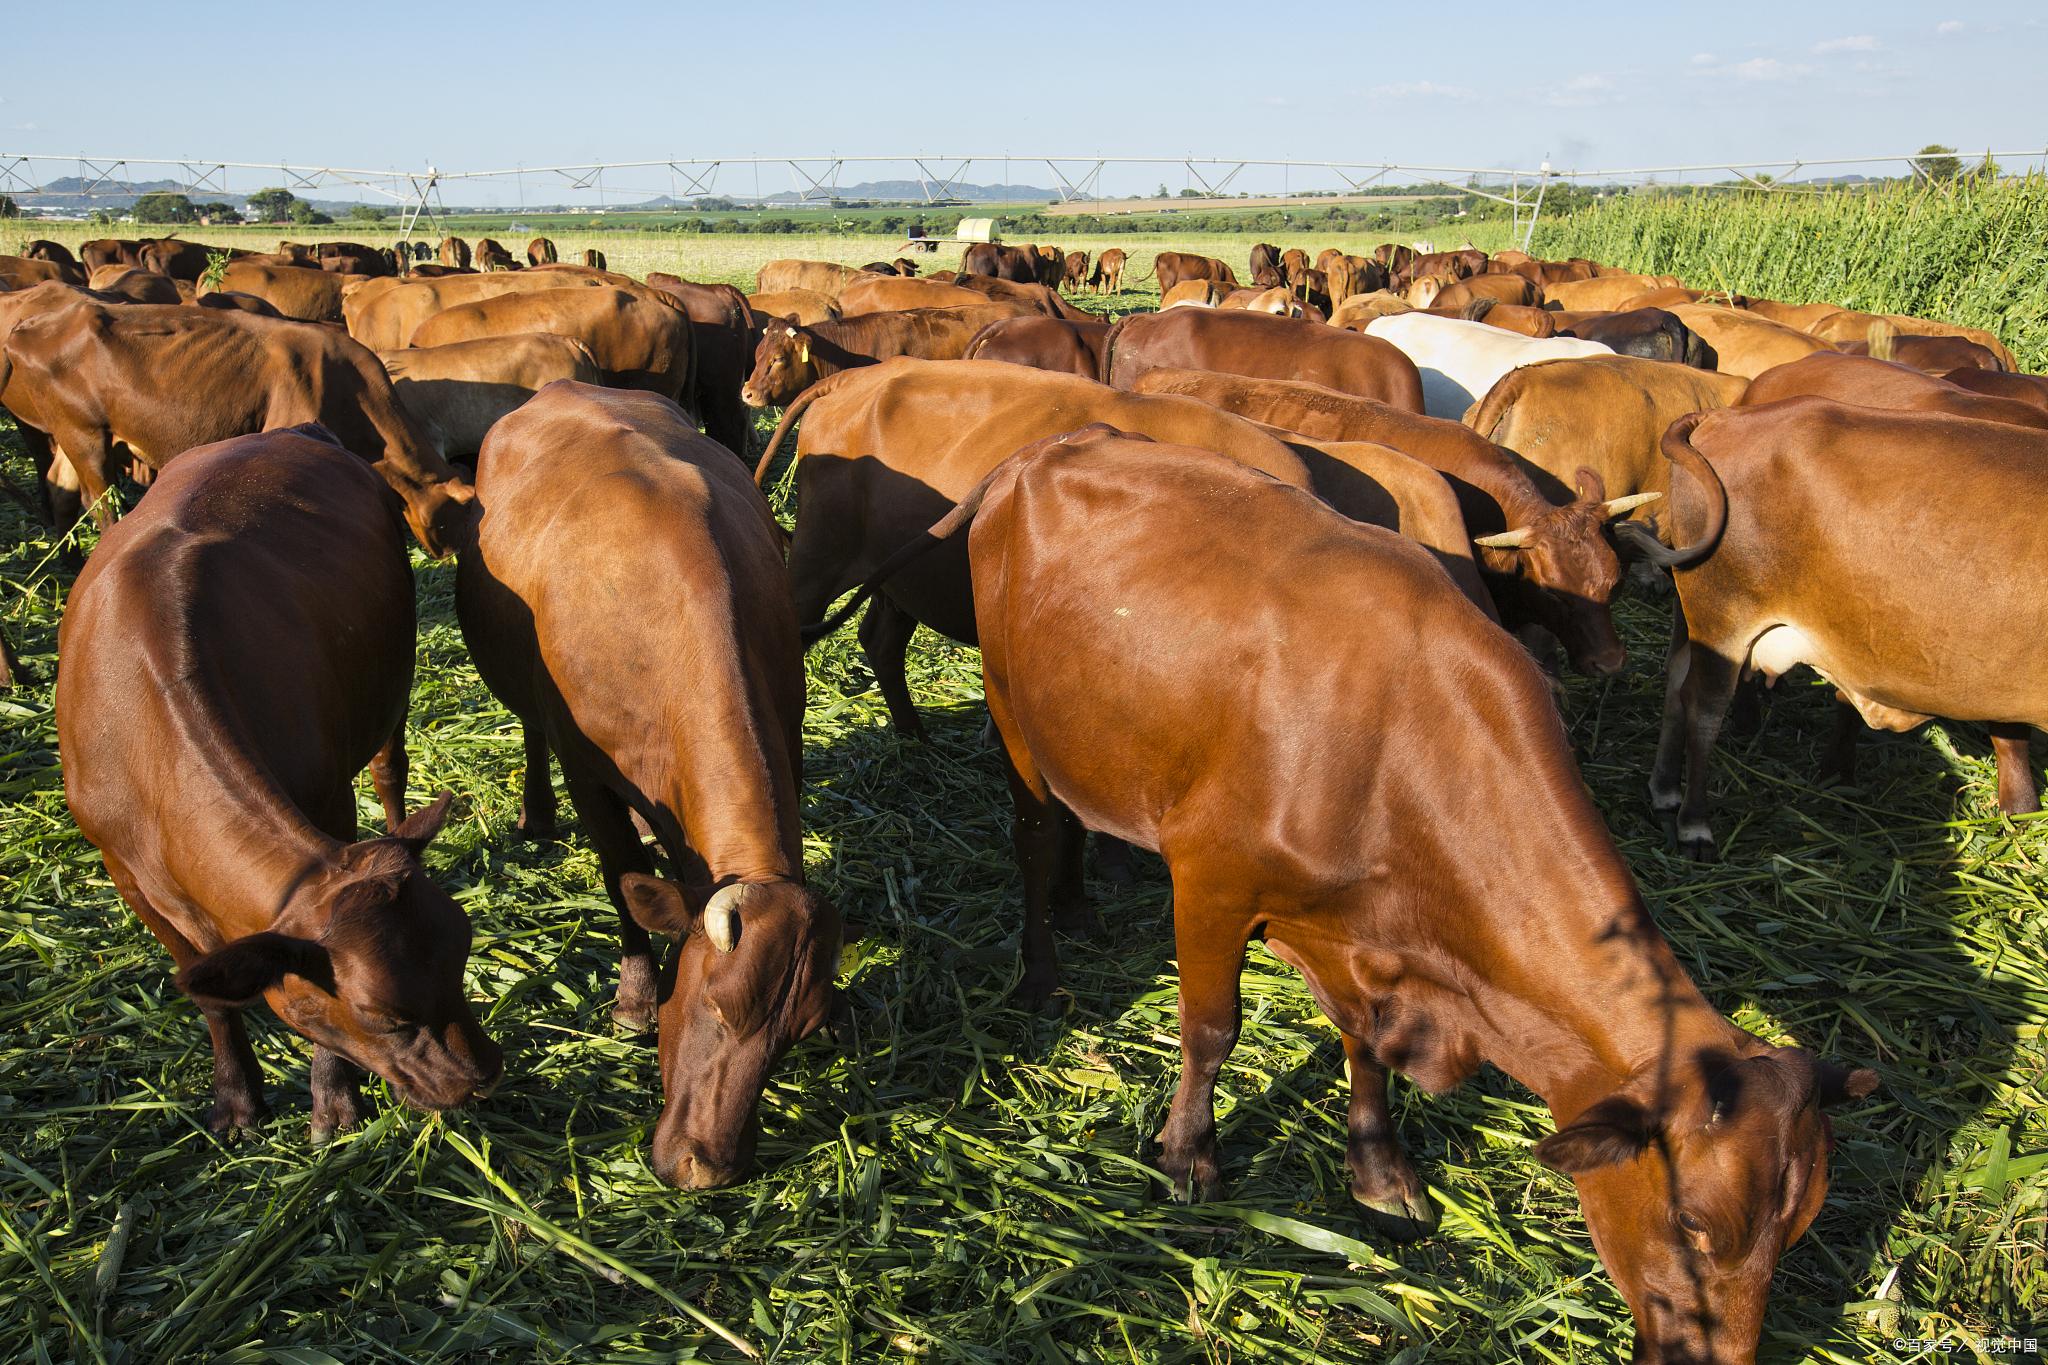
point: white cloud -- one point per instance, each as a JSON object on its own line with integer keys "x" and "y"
{"x": 1704, "y": 59}
{"x": 1427, "y": 90}
{"x": 1857, "y": 42}
{"x": 1581, "y": 92}
{"x": 1765, "y": 69}
{"x": 1948, "y": 27}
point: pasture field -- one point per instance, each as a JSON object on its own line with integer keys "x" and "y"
{"x": 954, "y": 1180}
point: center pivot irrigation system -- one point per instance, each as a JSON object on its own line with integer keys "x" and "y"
{"x": 28, "y": 177}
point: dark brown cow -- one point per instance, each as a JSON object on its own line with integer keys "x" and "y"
{"x": 1108, "y": 275}
{"x": 1127, "y": 700}
{"x": 1074, "y": 272}
{"x": 1822, "y": 551}
{"x": 1646, "y": 333}
{"x": 1883, "y": 384}
{"x": 1264, "y": 256}
{"x": 722, "y": 329}
{"x": 234, "y": 653}
{"x": 1395, "y": 257}
{"x": 1544, "y": 564}
{"x": 112, "y": 251}
{"x": 68, "y": 270}
{"x": 541, "y": 251}
{"x": 1052, "y": 265}
{"x": 137, "y": 286}
{"x": 147, "y": 383}
{"x": 1260, "y": 346}
{"x": 20, "y": 272}
{"x": 1170, "y": 268}
{"x": 492, "y": 255}
{"x": 454, "y": 253}
{"x": 639, "y": 343}
{"x": 181, "y": 260}
{"x": 791, "y": 359}
{"x": 594, "y": 258}
{"x": 646, "y": 501}
{"x": 1929, "y": 355}
{"x": 1457, "y": 265}
{"x": 883, "y": 451}
{"x": 1043, "y": 344}
{"x": 2022, "y": 388}
{"x": 1017, "y": 264}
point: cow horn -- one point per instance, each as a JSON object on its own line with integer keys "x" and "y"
{"x": 722, "y": 916}
{"x": 1506, "y": 540}
{"x": 1614, "y": 507}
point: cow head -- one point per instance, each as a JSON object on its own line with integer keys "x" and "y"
{"x": 752, "y": 976}
{"x": 783, "y": 367}
{"x": 1694, "y": 1189}
{"x": 1564, "y": 572}
{"x": 367, "y": 961}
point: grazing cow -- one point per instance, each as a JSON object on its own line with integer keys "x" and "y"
{"x": 1394, "y": 257}
{"x": 146, "y": 383}
{"x": 883, "y": 451}
{"x": 889, "y": 294}
{"x": 1017, "y": 264}
{"x": 1801, "y": 560}
{"x": 1196, "y": 294}
{"x": 1293, "y": 262}
{"x": 22, "y": 272}
{"x": 492, "y": 255}
{"x": 722, "y": 329}
{"x": 1745, "y": 343}
{"x": 1434, "y": 291}
{"x": 1435, "y": 930}
{"x": 1052, "y": 266}
{"x": 112, "y": 251}
{"x": 792, "y": 359}
{"x": 1509, "y": 317}
{"x": 2023, "y": 388}
{"x": 1108, "y": 275}
{"x": 1260, "y": 346}
{"x": 880, "y": 268}
{"x": 541, "y": 251}
{"x": 1847, "y": 326}
{"x": 120, "y": 284}
{"x": 1459, "y": 361}
{"x": 1603, "y": 294}
{"x": 1074, "y": 271}
{"x": 1543, "y": 556}
{"x": 384, "y": 314}
{"x": 1359, "y": 309}
{"x": 1042, "y": 343}
{"x": 1277, "y": 300}
{"x": 1929, "y": 355}
{"x": 1458, "y": 265}
{"x": 1169, "y": 268}
{"x": 307, "y": 293}
{"x": 1036, "y": 297}
{"x": 234, "y": 653}
{"x": 353, "y": 258}
{"x": 1648, "y": 333}
{"x": 556, "y": 616}
{"x": 1884, "y": 384}
{"x": 1348, "y": 275}
{"x": 42, "y": 249}
{"x": 638, "y": 342}
{"x": 805, "y": 307}
{"x": 236, "y": 301}
{"x": 824, "y": 277}
{"x": 454, "y": 253}
{"x": 1264, "y": 256}
{"x": 1800, "y": 317}
{"x": 458, "y": 391}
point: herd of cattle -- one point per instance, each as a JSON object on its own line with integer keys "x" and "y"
{"x": 1247, "y": 576}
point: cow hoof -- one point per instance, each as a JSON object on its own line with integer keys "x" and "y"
{"x": 1697, "y": 846}
{"x": 1041, "y": 996}
{"x": 338, "y": 1115}
{"x": 633, "y": 1018}
{"x": 534, "y": 831}
{"x": 908, "y": 728}
{"x": 231, "y": 1117}
{"x": 1404, "y": 1217}
{"x": 1194, "y": 1179}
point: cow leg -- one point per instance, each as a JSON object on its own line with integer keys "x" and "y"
{"x": 609, "y": 826}
{"x": 388, "y": 768}
{"x": 1383, "y": 1180}
{"x": 1037, "y": 830}
{"x": 1838, "y": 762}
{"x": 237, "y": 1080}
{"x": 1709, "y": 685}
{"x": 1667, "y": 770}
{"x": 1209, "y": 1020}
{"x": 2017, "y": 793}
{"x": 337, "y": 1101}
{"x": 90, "y": 458}
{"x": 885, "y": 632}
{"x": 1071, "y": 912}
{"x": 537, "y": 789}
{"x": 1113, "y": 860}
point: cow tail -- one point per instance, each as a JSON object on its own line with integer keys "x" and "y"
{"x": 789, "y": 416}
{"x": 1109, "y": 346}
{"x": 1492, "y": 412}
{"x": 940, "y": 531}
{"x": 1679, "y": 450}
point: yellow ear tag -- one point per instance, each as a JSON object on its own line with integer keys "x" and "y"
{"x": 803, "y": 356}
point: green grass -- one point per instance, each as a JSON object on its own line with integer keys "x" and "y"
{"x": 1974, "y": 253}
{"x": 955, "y": 1180}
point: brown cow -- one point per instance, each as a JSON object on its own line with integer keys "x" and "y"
{"x": 1035, "y": 297}
{"x": 638, "y": 343}
{"x": 147, "y": 383}
{"x": 303, "y": 292}
{"x": 1042, "y": 343}
{"x": 1348, "y": 275}
{"x": 1929, "y": 355}
{"x": 805, "y": 307}
{"x": 1648, "y": 333}
{"x": 792, "y": 359}
{"x": 234, "y": 653}
{"x": 1744, "y": 343}
{"x": 1509, "y": 317}
{"x": 1848, "y": 326}
{"x": 1699, "y": 1150}
{"x": 1196, "y": 294}
{"x": 594, "y": 259}
{"x": 889, "y": 294}
{"x": 183, "y": 260}
{"x": 121, "y": 284}
{"x": 722, "y": 330}
{"x": 454, "y": 253}
{"x": 1052, "y": 265}
{"x": 1884, "y": 384}
{"x": 1169, "y": 268}
{"x": 1017, "y": 264}
{"x": 1394, "y": 257}
{"x": 1432, "y": 291}
{"x": 112, "y": 251}
{"x": 541, "y": 251}
{"x": 458, "y": 391}
{"x": 21, "y": 272}
{"x": 1260, "y": 346}
{"x": 647, "y": 501}
{"x": 1603, "y": 294}
{"x": 236, "y": 301}
{"x": 492, "y": 255}
{"x": 1264, "y": 256}
{"x": 1801, "y": 317}
{"x": 1074, "y": 271}
{"x": 43, "y": 249}
{"x": 1293, "y": 262}
{"x": 2023, "y": 388}
{"x": 1821, "y": 551}
{"x": 1543, "y": 556}
{"x": 1108, "y": 276}
{"x": 825, "y": 277}
{"x": 1359, "y": 309}
{"x": 384, "y": 314}
{"x": 884, "y": 450}
{"x": 1278, "y": 300}
{"x": 1458, "y": 265}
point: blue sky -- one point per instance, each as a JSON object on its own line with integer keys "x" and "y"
{"x": 474, "y": 86}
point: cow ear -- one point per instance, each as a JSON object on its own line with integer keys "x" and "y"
{"x": 1615, "y": 1130}
{"x": 656, "y": 905}
{"x": 1839, "y": 1084}
{"x": 240, "y": 972}
{"x": 1592, "y": 488}
{"x": 417, "y": 830}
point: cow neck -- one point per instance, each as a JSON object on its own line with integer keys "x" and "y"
{"x": 726, "y": 795}
{"x": 829, "y": 354}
